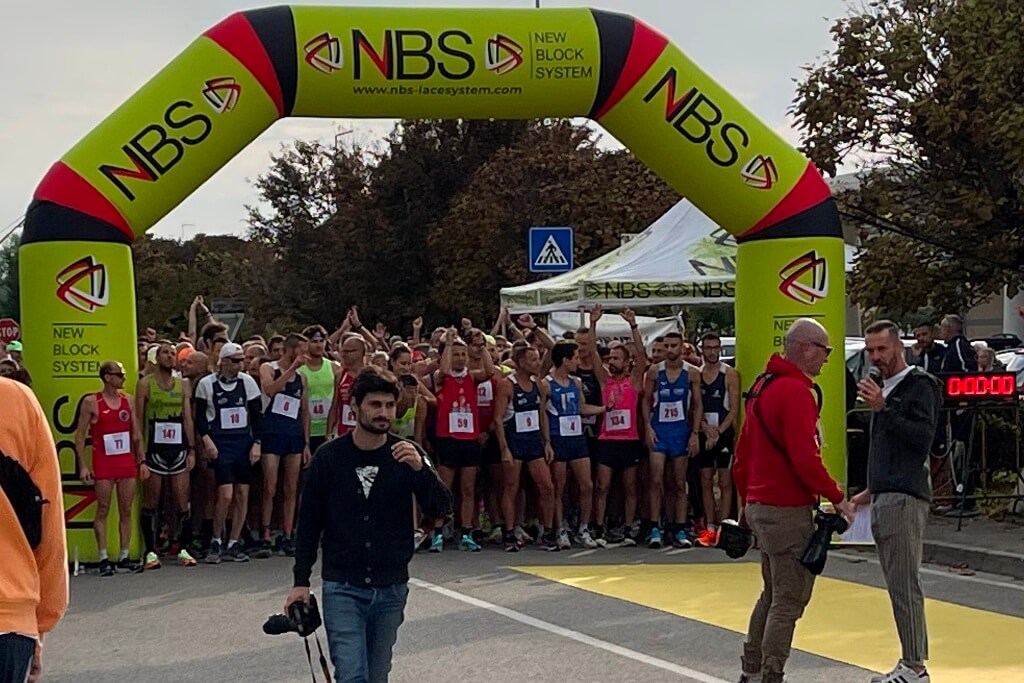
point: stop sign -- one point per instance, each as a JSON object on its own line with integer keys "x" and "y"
{"x": 10, "y": 330}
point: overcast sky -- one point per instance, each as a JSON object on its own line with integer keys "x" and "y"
{"x": 68, "y": 64}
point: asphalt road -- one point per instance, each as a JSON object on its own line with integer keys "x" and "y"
{"x": 609, "y": 615}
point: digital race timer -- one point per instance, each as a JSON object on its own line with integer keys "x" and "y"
{"x": 1000, "y": 387}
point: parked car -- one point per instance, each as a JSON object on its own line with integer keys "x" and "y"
{"x": 857, "y": 358}
{"x": 1014, "y": 362}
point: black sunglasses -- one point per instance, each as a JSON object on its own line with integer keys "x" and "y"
{"x": 826, "y": 349}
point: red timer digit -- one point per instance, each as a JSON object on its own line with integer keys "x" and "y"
{"x": 992, "y": 386}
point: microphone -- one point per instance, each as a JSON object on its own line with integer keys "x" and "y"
{"x": 876, "y": 375}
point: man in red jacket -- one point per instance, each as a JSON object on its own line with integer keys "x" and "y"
{"x": 780, "y": 477}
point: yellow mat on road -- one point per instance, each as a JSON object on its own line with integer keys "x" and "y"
{"x": 845, "y": 621}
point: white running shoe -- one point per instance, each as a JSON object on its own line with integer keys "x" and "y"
{"x": 521, "y": 535}
{"x": 563, "y": 539}
{"x": 585, "y": 539}
{"x": 903, "y": 674}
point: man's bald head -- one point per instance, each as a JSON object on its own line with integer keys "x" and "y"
{"x": 806, "y": 345}
{"x": 195, "y": 364}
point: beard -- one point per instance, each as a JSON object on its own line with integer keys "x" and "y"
{"x": 376, "y": 426}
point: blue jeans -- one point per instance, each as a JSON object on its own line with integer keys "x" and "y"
{"x": 362, "y": 627}
{"x": 15, "y": 657}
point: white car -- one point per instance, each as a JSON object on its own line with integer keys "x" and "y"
{"x": 857, "y": 359}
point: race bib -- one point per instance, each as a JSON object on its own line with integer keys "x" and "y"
{"x": 167, "y": 433}
{"x": 618, "y": 421}
{"x": 460, "y": 423}
{"x": 711, "y": 418}
{"x": 348, "y": 416}
{"x": 285, "y": 405}
{"x": 671, "y": 412}
{"x": 234, "y": 418}
{"x": 570, "y": 425}
{"x": 528, "y": 421}
{"x": 117, "y": 444}
{"x": 485, "y": 393}
{"x": 319, "y": 408}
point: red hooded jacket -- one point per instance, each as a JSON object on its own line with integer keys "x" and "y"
{"x": 788, "y": 409}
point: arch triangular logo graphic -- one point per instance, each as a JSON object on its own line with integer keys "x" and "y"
{"x": 222, "y": 93}
{"x": 83, "y": 285}
{"x": 324, "y": 54}
{"x": 805, "y": 279}
{"x": 760, "y": 173}
{"x": 503, "y": 55}
{"x": 551, "y": 254}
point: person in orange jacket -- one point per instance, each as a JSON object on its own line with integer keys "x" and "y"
{"x": 33, "y": 573}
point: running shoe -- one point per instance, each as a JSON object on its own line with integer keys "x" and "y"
{"x": 707, "y": 539}
{"x": 213, "y": 554}
{"x": 655, "y": 542}
{"x": 236, "y": 554}
{"x": 585, "y": 539}
{"x": 682, "y": 540}
{"x": 152, "y": 561}
{"x": 614, "y": 536}
{"x": 523, "y": 537}
{"x": 495, "y": 537}
{"x": 468, "y": 544}
{"x": 128, "y": 565}
{"x": 418, "y": 536}
{"x": 264, "y": 551}
{"x": 106, "y": 568}
{"x": 278, "y": 545}
{"x": 196, "y": 549}
{"x": 288, "y": 547}
{"x": 630, "y": 535}
{"x": 750, "y": 678}
{"x": 437, "y": 544}
{"x": 550, "y": 542}
{"x": 563, "y": 539}
{"x": 171, "y": 550}
{"x": 186, "y": 560}
{"x": 903, "y": 674}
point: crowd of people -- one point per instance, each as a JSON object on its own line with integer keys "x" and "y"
{"x": 553, "y": 442}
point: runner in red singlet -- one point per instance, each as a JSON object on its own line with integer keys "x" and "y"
{"x": 341, "y": 418}
{"x": 107, "y": 418}
{"x": 458, "y": 432}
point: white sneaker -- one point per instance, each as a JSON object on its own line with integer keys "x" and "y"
{"x": 522, "y": 536}
{"x": 903, "y": 674}
{"x": 750, "y": 678}
{"x": 563, "y": 539}
{"x": 585, "y": 539}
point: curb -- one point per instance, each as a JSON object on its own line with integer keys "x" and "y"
{"x": 978, "y": 559}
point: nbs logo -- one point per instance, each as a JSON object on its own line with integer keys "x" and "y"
{"x": 413, "y": 55}
{"x": 805, "y": 278}
{"x": 83, "y": 285}
{"x": 503, "y": 55}
{"x": 157, "y": 148}
{"x": 324, "y": 54}
{"x": 696, "y": 117}
{"x": 222, "y": 93}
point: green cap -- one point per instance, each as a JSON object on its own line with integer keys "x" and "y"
{"x": 14, "y": 346}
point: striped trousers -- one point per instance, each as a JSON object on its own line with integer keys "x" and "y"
{"x": 897, "y": 524}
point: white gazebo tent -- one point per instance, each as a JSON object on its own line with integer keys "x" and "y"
{"x": 682, "y": 259}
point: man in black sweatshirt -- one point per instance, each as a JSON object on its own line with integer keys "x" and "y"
{"x": 905, "y": 410}
{"x": 357, "y": 505}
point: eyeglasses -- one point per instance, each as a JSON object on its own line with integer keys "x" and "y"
{"x": 826, "y": 349}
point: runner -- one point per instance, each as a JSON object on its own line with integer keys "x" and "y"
{"x": 167, "y": 432}
{"x": 411, "y": 419}
{"x": 275, "y": 347}
{"x": 658, "y": 350}
{"x": 618, "y": 446}
{"x": 720, "y": 391}
{"x": 341, "y": 418}
{"x": 229, "y": 413}
{"x": 106, "y": 418}
{"x": 562, "y": 396}
{"x": 458, "y": 433}
{"x": 490, "y": 452}
{"x": 285, "y": 437}
{"x": 321, "y": 375}
{"x": 524, "y": 437}
{"x": 203, "y": 484}
{"x": 671, "y": 405}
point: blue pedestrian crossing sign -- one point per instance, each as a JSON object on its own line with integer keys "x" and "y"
{"x": 550, "y": 250}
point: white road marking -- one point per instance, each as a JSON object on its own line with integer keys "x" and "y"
{"x": 935, "y": 572}
{"x": 583, "y": 638}
{"x": 583, "y": 553}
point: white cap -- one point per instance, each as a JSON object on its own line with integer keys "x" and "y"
{"x": 231, "y": 349}
{"x": 151, "y": 354}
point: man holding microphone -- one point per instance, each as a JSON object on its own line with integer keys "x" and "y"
{"x": 780, "y": 477}
{"x": 905, "y": 403}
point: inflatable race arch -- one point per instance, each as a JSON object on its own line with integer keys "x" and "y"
{"x": 235, "y": 80}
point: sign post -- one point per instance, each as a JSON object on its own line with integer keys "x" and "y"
{"x": 550, "y": 250}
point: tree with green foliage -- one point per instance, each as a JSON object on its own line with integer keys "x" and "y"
{"x": 10, "y": 305}
{"x": 925, "y": 98}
